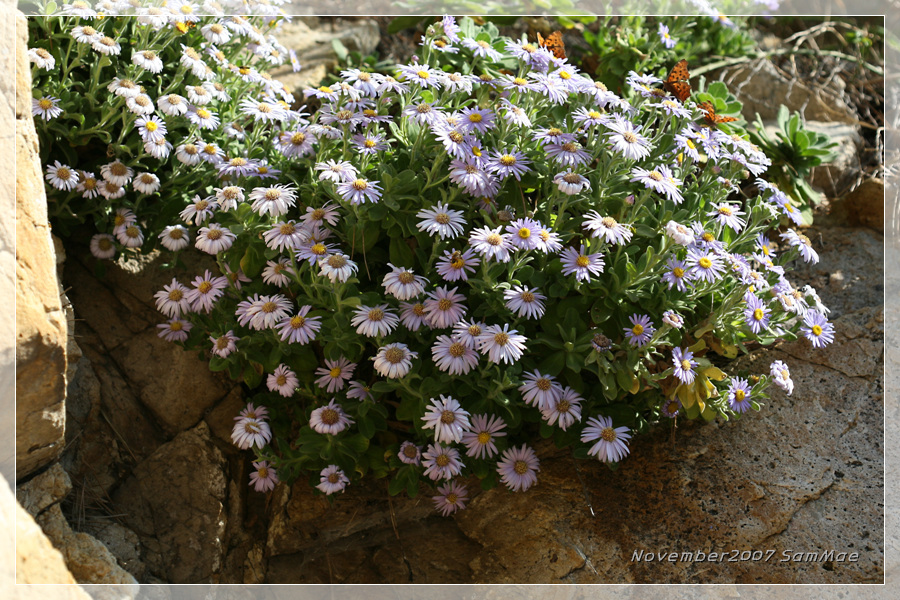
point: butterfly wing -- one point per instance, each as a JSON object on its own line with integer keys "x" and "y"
{"x": 677, "y": 81}
{"x": 709, "y": 113}
{"x": 553, "y": 43}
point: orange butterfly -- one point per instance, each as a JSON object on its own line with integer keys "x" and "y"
{"x": 677, "y": 81}
{"x": 553, "y": 43}
{"x": 709, "y": 113}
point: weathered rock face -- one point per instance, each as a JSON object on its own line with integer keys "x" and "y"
{"x": 175, "y": 501}
{"x": 41, "y": 332}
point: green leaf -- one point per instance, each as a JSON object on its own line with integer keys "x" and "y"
{"x": 339, "y": 49}
{"x": 401, "y": 23}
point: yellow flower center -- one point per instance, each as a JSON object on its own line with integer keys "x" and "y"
{"x": 376, "y": 314}
{"x": 678, "y": 272}
{"x": 394, "y": 355}
{"x": 705, "y": 262}
{"x": 608, "y": 434}
{"x": 521, "y": 467}
{"x": 739, "y": 395}
{"x": 297, "y": 322}
{"x": 174, "y": 295}
{"x": 817, "y": 330}
{"x": 337, "y": 261}
{"x": 204, "y": 287}
{"x": 582, "y": 261}
{"x": 456, "y": 350}
{"x": 176, "y": 326}
{"x": 637, "y": 329}
{"x": 501, "y": 339}
{"x": 758, "y": 314}
{"x": 213, "y": 234}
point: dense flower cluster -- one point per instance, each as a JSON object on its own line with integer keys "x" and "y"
{"x": 481, "y": 245}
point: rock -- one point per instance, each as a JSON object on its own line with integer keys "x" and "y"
{"x": 311, "y": 39}
{"x": 88, "y": 560}
{"x": 8, "y": 135}
{"x": 849, "y": 273}
{"x": 36, "y": 560}
{"x": 221, "y": 418}
{"x": 302, "y": 518}
{"x": 863, "y": 206}
{"x": 174, "y": 500}
{"x": 41, "y": 332}
{"x": 832, "y": 178}
{"x": 123, "y": 543}
{"x": 179, "y": 398}
{"x": 763, "y": 89}
{"x": 44, "y": 490}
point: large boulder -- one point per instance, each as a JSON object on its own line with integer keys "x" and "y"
{"x": 41, "y": 331}
{"x": 175, "y": 501}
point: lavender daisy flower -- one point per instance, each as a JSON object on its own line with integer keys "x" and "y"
{"x": 663, "y": 34}
{"x": 300, "y": 328}
{"x": 501, "y": 344}
{"x": 264, "y": 478}
{"x": 336, "y": 171}
{"x": 283, "y": 380}
{"x": 394, "y": 360}
{"x": 684, "y": 363}
{"x": 611, "y": 443}
{"x": 518, "y": 468}
{"x": 673, "y": 319}
{"x": 329, "y": 419}
{"x": 727, "y": 214}
{"x": 199, "y": 210}
{"x": 420, "y": 74}
{"x": 607, "y": 228}
{"x": 470, "y": 175}
{"x": 569, "y": 154}
{"x": 641, "y": 330}
{"x": 452, "y": 356}
{"x": 451, "y": 498}
{"x": 284, "y": 236}
{"x": 454, "y": 265}
{"x": 570, "y": 183}
{"x": 671, "y": 408}
{"x": 566, "y": 411}
{"x": 525, "y": 302}
{"x": 223, "y": 346}
{"x": 207, "y": 291}
{"x": 46, "y": 107}
{"x": 705, "y": 240}
{"x": 672, "y": 108}
{"x": 659, "y": 180}
{"x": 508, "y": 163}
{"x": 548, "y": 242}
{"x": 704, "y": 266}
{"x": 482, "y": 49}
{"x": 582, "y": 264}
{"x": 412, "y": 315}
{"x": 448, "y": 419}
{"x": 410, "y": 454}
{"x": 171, "y": 300}
{"x": 479, "y": 439}
{"x": 781, "y": 375}
{"x": 554, "y": 88}
{"x": 468, "y": 332}
{"x": 331, "y": 480}
{"x": 335, "y": 374}
{"x": 675, "y": 276}
{"x": 802, "y": 243}
{"x": 685, "y": 144}
{"x": 274, "y": 200}
{"x": 491, "y": 243}
{"x": 523, "y": 233}
{"x": 817, "y": 329}
{"x": 515, "y": 115}
{"x": 369, "y": 144}
{"x": 627, "y": 140}
{"x": 739, "y": 395}
{"x": 424, "y": 113}
{"x": 553, "y": 135}
{"x": 441, "y": 462}
{"x": 540, "y": 391}
{"x": 444, "y": 307}
{"x": 756, "y": 313}
{"x": 359, "y": 191}
{"x": 238, "y": 167}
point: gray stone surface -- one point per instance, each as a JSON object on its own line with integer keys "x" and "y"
{"x": 175, "y": 501}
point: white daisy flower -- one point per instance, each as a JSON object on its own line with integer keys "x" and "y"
{"x": 337, "y": 267}
{"x": 444, "y": 307}
{"x": 117, "y": 172}
{"x": 274, "y": 200}
{"x": 110, "y": 190}
{"x": 335, "y": 374}
{"x": 85, "y": 34}
{"x": 375, "y": 321}
{"x": 453, "y": 356}
{"x": 140, "y": 104}
{"x": 501, "y": 344}
{"x": 412, "y": 315}
{"x": 131, "y": 236}
{"x": 62, "y": 177}
{"x": 88, "y": 185}
{"x": 394, "y": 360}
{"x": 199, "y": 210}
{"x": 528, "y": 303}
{"x": 103, "y": 246}
{"x": 175, "y": 237}
{"x": 106, "y": 45}
{"x": 448, "y": 419}
{"x": 403, "y": 284}
{"x": 146, "y": 183}
{"x": 541, "y": 391}
{"x": 124, "y": 88}
{"x": 566, "y": 411}
{"x": 42, "y": 58}
{"x": 440, "y": 220}
{"x": 214, "y": 239}
{"x": 46, "y": 107}
{"x": 173, "y": 105}
{"x": 467, "y": 332}
{"x": 148, "y": 60}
